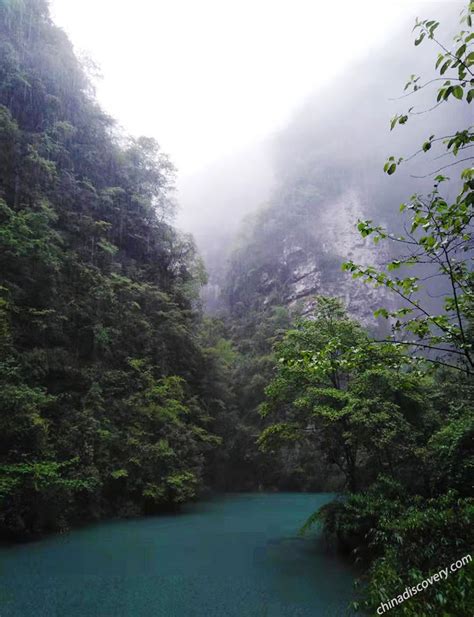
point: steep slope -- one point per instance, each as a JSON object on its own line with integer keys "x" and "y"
{"x": 104, "y": 387}
{"x": 328, "y": 169}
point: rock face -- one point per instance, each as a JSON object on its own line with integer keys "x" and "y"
{"x": 336, "y": 239}
{"x": 327, "y": 168}
{"x": 291, "y": 264}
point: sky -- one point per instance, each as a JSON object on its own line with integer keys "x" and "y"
{"x": 207, "y": 78}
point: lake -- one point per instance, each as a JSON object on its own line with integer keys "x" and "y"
{"x": 231, "y": 556}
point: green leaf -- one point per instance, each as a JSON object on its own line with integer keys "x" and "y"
{"x": 420, "y": 38}
{"x": 445, "y": 67}
{"x": 447, "y": 92}
{"x": 394, "y": 265}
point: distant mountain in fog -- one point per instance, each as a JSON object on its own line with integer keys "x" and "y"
{"x": 304, "y": 190}
{"x": 215, "y": 201}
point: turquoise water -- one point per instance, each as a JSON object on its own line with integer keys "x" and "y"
{"x": 232, "y": 556}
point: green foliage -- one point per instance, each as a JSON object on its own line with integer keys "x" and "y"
{"x": 406, "y": 539}
{"x": 451, "y": 454}
{"x": 418, "y": 518}
{"x": 369, "y": 410}
{"x": 40, "y": 495}
{"x": 242, "y": 349}
{"x": 107, "y": 397}
{"x": 352, "y": 399}
{"x": 437, "y": 242}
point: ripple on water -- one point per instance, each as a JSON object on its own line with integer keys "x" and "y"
{"x": 232, "y": 556}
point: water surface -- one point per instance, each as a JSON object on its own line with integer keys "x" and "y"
{"x": 232, "y": 556}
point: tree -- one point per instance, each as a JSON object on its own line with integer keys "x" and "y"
{"x": 438, "y": 241}
{"x": 400, "y": 530}
{"x": 352, "y": 399}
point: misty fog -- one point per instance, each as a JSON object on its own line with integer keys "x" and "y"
{"x": 363, "y": 64}
{"x": 325, "y": 165}
{"x": 236, "y": 308}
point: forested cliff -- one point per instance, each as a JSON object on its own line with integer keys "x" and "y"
{"x": 105, "y": 403}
